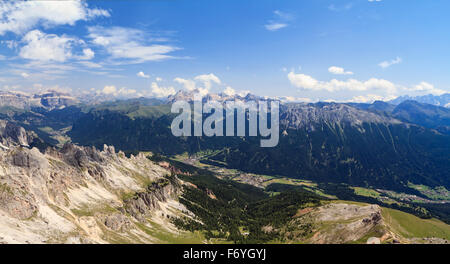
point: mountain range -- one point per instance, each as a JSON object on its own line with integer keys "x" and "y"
{"x": 439, "y": 100}
{"x": 380, "y": 154}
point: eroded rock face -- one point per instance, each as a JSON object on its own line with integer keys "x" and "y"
{"x": 74, "y": 193}
{"x": 48, "y": 100}
{"x": 12, "y": 134}
{"x": 310, "y": 116}
{"x": 345, "y": 223}
{"x": 117, "y": 222}
{"x": 16, "y": 204}
{"x": 145, "y": 202}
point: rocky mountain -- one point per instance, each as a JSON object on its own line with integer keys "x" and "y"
{"x": 426, "y": 115}
{"x": 80, "y": 194}
{"x": 438, "y": 100}
{"x": 295, "y": 116}
{"x": 48, "y": 100}
{"x": 189, "y": 96}
{"x": 414, "y": 112}
{"x": 328, "y": 142}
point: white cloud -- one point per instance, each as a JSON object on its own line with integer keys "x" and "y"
{"x": 427, "y": 88}
{"x": 370, "y": 98}
{"x": 126, "y": 92}
{"x": 374, "y": 89}
{"x": 188, "y": 84}
{"x": 112, "y": 90}
{"x": 387, "y": 64}
{"x": 90, "y": 64}
{"x": 207, "y": 79}
{"x": 159, "y": 92}
{"x": 24, "y": 75}
{"x": 294, "y": 99}
{"x": 21, "y": 16}
{"x": 129, "y": 45}
{"x": 87, "y": 54}
{"x": 109, "y": 89}
{"x": 339, "y": 71}
{"x": 43, "y": 47}
{"x": 46, "y": 47}
{"x": 159, "y": 79}
{"x": 307, "y": 82}
{"x": 275, "y": 26}
{"x": 142, "y": 75}
{"x": 280, "y": 21}
{"x": 230, "y": 92}
{"x": 340, "y": 8}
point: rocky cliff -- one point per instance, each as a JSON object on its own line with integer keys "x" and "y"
{"x": 48, "y": 100}
{"x": 80, "y": 194}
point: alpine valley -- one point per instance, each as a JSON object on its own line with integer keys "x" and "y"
{"x": 93, "y": 170}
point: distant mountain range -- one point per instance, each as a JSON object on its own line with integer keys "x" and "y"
{"x": 439, "y": 100}
{"x": 48, "y": 100}
{"x": 379, "y": 144}
{"x": 349, "y": 151}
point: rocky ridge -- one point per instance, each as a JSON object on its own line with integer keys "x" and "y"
{"x": 48, "y": 100}
{"x": 80, "y": 194}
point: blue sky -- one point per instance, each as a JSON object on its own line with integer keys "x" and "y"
{"x": 347, "y": 50}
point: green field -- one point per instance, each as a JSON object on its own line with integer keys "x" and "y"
{"x": 411, "y": 226}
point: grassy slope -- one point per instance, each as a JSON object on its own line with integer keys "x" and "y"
{"x": 410, "y": 226}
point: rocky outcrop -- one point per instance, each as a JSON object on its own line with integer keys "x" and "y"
{"x": 311, "y": 116}
{"x": 117, "y": 222}
{"x": 338, "y": 223}
{"x": 76, "y": 194}
{"x": 48, "y": 100}
{"x": 12, "y": 134}
{"x": 145, "y": 202}
{"x": 16, "y": 203}
{"x": 55, "y": 99}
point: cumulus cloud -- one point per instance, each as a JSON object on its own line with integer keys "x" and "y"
{"x": 427, "y": 88}
{"x": 389, "y": 63}
{"x": 24, "y": 75}
{"x": 291, "y": 99}
{"x": 207, "y": 80}
{"x": 112, "y": 90}
{"x": 366, "y": 91}
{"x": 307, "y": 82}
{"x": 160, "y": 92}
{"x": 129, "y": 45}
{"x": 21, "y": 16}
{"x": 109, "y": 89}
{"x": 44, "y": 47}
{"x": 230, "y": 92}
{"x": 201, "y": 83}
{"x": 187, "y": 84}
{"x": 87, "y": 54}
{"x": 143, "y": 75}
{"x": 339, "y": 71}
{"x": 370, "y": 98}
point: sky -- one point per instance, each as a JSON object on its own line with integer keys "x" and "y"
{"x": 299, "y": 50}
